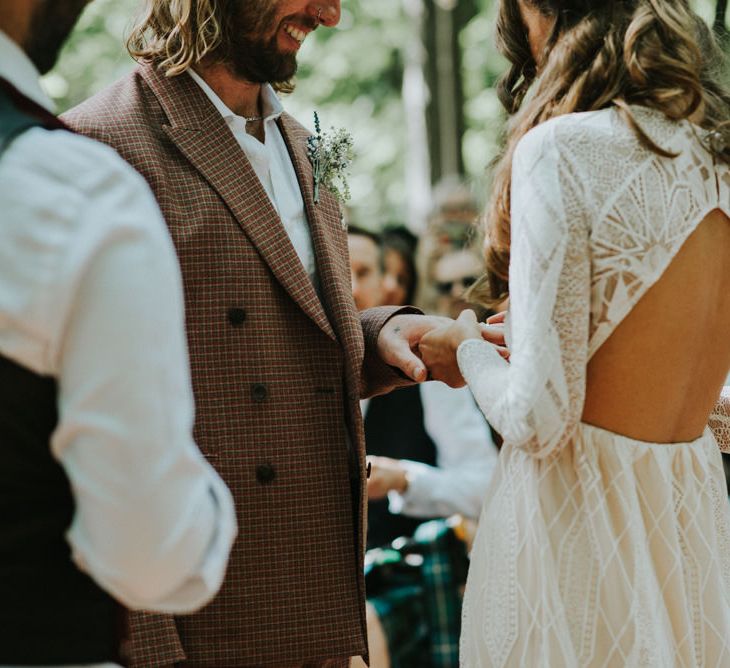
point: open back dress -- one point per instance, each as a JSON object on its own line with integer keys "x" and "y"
{"x": 595, "y": 549}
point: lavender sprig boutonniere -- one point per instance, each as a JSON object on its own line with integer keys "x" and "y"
{"x": 330, "y": 154}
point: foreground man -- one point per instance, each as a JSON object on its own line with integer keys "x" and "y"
{"x": 103, "y": 494}
{"x": 280, "y": 356}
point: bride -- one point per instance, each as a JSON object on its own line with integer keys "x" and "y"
{"x": 605, "y": 536}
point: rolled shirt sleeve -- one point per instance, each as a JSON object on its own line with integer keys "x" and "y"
{"x": 466, "y": 457}
{"x": 102, "y": 312}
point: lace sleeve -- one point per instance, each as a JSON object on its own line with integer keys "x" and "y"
{"x": 720, "y": 420}
{"x": 535, "y": 401}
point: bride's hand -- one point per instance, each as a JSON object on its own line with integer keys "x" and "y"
{"x": 438, "y": 348}
{"x": 497, "y": 318}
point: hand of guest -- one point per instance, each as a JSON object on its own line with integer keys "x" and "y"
{"x": 386, "y": 475}
{"x": 438, "y": 348}
{"x": 400, "y": 337}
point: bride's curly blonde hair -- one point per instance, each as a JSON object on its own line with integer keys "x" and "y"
{"x": 655, "y": 53}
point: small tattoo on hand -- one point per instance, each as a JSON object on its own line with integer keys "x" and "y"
{"x": 397, "y": 330}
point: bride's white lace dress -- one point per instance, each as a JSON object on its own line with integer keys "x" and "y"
{"x": 594, "y": 549}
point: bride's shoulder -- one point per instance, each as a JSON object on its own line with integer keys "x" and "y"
{"x": 573, "y": 135}
{"x": 592, "y": 150}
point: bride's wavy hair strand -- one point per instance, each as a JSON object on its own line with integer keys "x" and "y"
{"x": 654, "y": 53}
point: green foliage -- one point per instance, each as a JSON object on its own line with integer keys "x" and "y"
{"x": 351, "y": 76}
{"x": 94, "y": 56}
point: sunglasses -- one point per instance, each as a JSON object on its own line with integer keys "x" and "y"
{"x": 447, "y": 287}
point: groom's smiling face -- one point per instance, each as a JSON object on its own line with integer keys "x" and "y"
{"x": 265, "y": 35}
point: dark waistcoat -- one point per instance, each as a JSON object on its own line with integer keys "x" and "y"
{"x": 394, "y": 427}
{"x": 50, "y": 612}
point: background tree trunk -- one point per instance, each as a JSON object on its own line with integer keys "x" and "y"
{"x": 720, "y": 22}
{"x": 445, "y": 115}
{"x": 415, "y": 103}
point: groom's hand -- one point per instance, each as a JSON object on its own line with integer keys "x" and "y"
{"x": 399, "y": 338}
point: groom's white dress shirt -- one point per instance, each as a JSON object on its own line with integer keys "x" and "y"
{"x": 272, "y": 164}
{"x": 91, "y": 294}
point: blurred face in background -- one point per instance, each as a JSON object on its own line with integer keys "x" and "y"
{"x": 453, "y": 274}
{"x": 365, "y": 271}
{"x": 397, "y": 278}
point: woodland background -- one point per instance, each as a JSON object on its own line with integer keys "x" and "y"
{"x": 412, "y": 80}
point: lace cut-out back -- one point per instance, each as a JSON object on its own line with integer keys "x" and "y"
{"x": 566, "y": 537}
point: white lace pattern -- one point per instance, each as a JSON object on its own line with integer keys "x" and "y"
{"x": 596, "y": 220}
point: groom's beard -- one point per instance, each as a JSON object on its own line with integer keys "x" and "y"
{"x": 50, "y": 25}
{"x": 261, "y": 61}
{"x": 255, "y": 58}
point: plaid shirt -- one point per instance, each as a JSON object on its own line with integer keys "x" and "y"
{"x": 419, "y": 606}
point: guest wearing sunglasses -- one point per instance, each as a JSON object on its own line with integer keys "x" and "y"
{"x": 453, "y": 274}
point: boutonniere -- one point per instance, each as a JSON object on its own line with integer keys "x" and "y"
{"x": 330, "y": 154}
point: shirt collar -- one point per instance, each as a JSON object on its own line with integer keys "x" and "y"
{"x": 270, "y": 103}
{"x": 17, "y": 69}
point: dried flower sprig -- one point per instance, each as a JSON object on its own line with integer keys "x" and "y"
{"x": 330, "y": 154}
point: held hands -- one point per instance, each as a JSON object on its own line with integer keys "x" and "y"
{"x": 424, "y": 347}
{"x": 438, "y": 347}
{"x": 400, "y": 337}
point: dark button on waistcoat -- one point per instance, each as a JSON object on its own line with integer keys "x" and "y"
{"x": 369, "y": 470}
{"x": 265, "y": 473}
{"x": 236, "y": 316}
{"x": 259, "y": 392}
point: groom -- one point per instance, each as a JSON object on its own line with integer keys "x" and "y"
{"x": 280, "y": 356}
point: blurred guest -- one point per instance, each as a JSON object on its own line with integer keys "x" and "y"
{"x": 429, "y": 447}
{"x": 450, "y": 256}
{"x": 454, "y": 273}
{"x": 454, "y": 213}
{"x": 431, "y": 456}
{"x": 452, "y": 264}
{"x": 400, "y": 280}
{"x": 366, "y": 267}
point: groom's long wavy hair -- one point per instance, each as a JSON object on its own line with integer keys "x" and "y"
{"x": 655, "y": 53}
{"x": 178, "y": 34}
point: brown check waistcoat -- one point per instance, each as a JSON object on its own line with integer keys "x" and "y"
{"x": 277, "y": 376}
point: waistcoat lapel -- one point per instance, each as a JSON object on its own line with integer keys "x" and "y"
{"x": 201, "y": 134}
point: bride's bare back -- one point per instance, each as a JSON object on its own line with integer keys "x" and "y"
{"x": 658, "y": 376}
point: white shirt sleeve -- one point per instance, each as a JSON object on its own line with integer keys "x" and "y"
{"x": 466, "y": 457}
{"x": 536, "y": 399}
{"x": 101, "y": 310}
